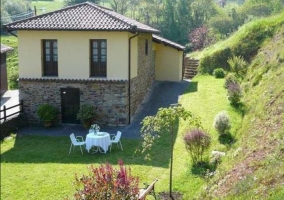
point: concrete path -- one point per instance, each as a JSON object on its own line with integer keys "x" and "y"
{"x": 162, "y": 94}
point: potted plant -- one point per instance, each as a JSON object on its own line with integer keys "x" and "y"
{"x": 86, "y": 114}
{"x": 47, "y": 114}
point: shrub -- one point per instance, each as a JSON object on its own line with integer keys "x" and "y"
{"x": 230, "y": 78}
{"x": 219, "y": 58}
{"x": 234, "y": 93}
{"x": 222, "y": 123}
{"x": 105, "y": 182}
{"x": 47, "y": 113}
{"x": 86, "y": 112}
{"x": 197, "y": 141}
{"x": 238, "y": 65}
{"x": 219, "y": 73}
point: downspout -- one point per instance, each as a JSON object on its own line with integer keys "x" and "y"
{"x": 134, "y": 28}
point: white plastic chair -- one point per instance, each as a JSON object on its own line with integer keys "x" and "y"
{"x": 76, "y": 142}
{"x": 116, "y": 139}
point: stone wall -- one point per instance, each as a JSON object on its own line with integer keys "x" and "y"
{"x": 110, "y": 98}
{"x": 141, "y": 84}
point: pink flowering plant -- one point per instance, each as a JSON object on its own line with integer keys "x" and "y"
{"x": 105, "y": 182}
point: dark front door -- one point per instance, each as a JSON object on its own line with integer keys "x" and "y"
{"x": 70, "y": 104}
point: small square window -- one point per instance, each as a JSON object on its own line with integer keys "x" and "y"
{"x": 146, "y": 47}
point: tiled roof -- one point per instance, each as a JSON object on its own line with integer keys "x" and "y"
{"x": 83, "y": 16}
{"x": 166, "y": 42}
{"x": 5, "y": 48}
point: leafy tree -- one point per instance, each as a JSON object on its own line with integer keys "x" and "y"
{"x": 120, "y": 6}
{"x": 105, "y": 182}
{"x": 166, "y": 121}
{"x": 14, "y": 7}
{"x": 184, "y": 20}
{"x": 202, "y": 11}
{"x": 73, "y": 2}
{"x": 169, "y": 26}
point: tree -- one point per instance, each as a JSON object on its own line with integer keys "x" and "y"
{"x": 202, "y": 11}
{"x": 169, "y": 26}
{"x": 120, "y": 6}
{"x": 166, "y": 121}
{"x": 184, "y": 19}
{"x": 73, "y": 2}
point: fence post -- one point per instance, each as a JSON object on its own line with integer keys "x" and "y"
{"x": 4, "y": 110}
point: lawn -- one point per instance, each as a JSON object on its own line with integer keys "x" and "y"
{"x": 39, "y": 167}
{"x": 43, "y": 7}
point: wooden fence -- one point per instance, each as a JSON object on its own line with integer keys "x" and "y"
{"x": 3, "y": 112}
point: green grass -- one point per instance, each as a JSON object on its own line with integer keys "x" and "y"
{"x": 12, "y": 61}
{"x": 243, "y": 32}
{"x": 43, "y": 7}
{"x": 39, "y": 167}
{"x": 253, "y": 167}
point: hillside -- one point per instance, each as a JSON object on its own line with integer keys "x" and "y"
{"x": 254, "y": 167}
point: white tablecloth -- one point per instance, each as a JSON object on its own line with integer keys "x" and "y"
{"x": 101, "y": 139}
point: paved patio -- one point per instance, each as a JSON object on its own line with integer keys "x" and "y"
{"x": 162, "y": 94}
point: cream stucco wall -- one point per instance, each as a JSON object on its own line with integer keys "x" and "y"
{"x": 74, "y": 53}
{"x": 134, "y": 55}
{"x": 168, "y": 64}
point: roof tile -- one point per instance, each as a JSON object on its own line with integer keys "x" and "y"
{"x": 84, "y": 16}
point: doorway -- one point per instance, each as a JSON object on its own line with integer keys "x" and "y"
{"x": 70, "y": 105}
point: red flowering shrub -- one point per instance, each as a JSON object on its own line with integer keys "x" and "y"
{"x": 198, "y": 37}
{"x": 105, "y": 182}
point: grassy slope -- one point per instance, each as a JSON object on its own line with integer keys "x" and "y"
{"x": 43, "y": 165}
{"x": 254, "y": 168}
{"x": 12, "y": 60}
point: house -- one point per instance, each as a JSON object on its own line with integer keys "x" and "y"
{"x": 90, "y": 54}
{"x": 3, "y": 71}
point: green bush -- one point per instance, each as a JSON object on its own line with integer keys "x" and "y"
{"x": 47, "y": 113}
{"x": 234, "y": 93}
{"x": 105, "y": 182}
{"x": 222, "y": 123}
{"x": 197, "y": 141}
{"x": 86, "y": 112}
{"x": 238, "y": 65}
{"x": 230, "y": 78}
{"x": 219, "y": 73}
{"x": 219, "y": 58}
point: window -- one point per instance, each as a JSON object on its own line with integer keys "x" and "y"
{"x": 98, "y": 58}
{"x": 146, "y": 47}
{"x": 50, "y": 58}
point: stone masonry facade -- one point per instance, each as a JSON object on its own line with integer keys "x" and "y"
{"x": 141, "y": 84}
{"x": 110, "y": 98}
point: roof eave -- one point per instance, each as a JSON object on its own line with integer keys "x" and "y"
{"x": 56, "y": 29}
{"x": 167, "y": 44}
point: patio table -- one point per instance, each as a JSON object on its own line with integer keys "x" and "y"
{"x": 100, "y": 139}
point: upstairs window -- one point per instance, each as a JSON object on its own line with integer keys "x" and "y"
{"x": 98, "y": 58}
{"x": 50, "y": 58}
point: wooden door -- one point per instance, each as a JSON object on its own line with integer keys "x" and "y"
{"x": 70, "y": 104}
